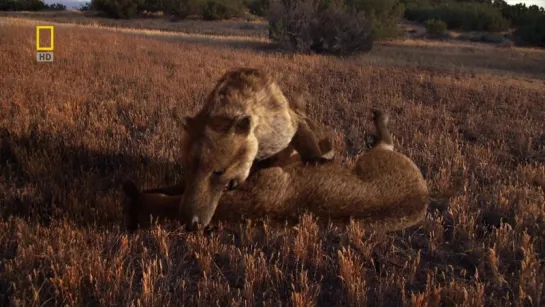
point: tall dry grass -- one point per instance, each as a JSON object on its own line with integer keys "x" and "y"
{"x": 238, "y": 27}
{"x": 73, "y": 130}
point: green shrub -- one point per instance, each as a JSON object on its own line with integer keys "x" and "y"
{"x": 342, "y": 32}
{"x": 222, "y": 9}
{"x": 520, "y": 14}
{"x": 461, "y": 16}
{"x": 117, "y": 8}
{"x": 290, "y": 22}
{"x": 319, "y": 26}
{"x": 182, "y": 8}
{"x": 22, "y": 5}
{"x": 435, "y": 27}
{"x": 7, "y": 5}
{"x": 56, "y": 7}
{"x": 150, "y": 6}
{"x": 531, "y": 35}
{"x": 87, "y": 6}
{"x": 385, "y": 15}
{"x": 257, "y": 7}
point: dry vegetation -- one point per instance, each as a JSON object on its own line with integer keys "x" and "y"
{"x": 224, "y": 28}
{"x": 71, "y": 131}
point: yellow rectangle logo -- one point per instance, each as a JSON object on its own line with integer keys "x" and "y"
{"x": 40, "y": 48}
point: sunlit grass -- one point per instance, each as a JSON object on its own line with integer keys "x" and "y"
{"x": 74, "y": 129}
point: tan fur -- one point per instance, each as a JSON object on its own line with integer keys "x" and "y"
{"x": 246, "y": 118}
{"x": 386, "y": 189}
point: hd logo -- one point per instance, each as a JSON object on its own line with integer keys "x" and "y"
{"x": 46, "y": 56}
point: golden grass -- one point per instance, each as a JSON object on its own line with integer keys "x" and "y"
{"x": 73, "y": 130}
{"x": 256, "y": 28}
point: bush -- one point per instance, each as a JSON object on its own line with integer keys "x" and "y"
{"x": 461, "y": 16}
{"x": 8, "y": 5}
{"x": 86, "y": 7}
{"x": 22, "y": 5}
{"x": 222, "y": 9}
{"x": 56, "y": 7}
{"x": 117, "y": 8}
{"x": 182, "y": 8}
{"x": 519, "y": 14}
{"x": 319, "y": 26}
{"x": 531, "y": 35}
{"x": 290, "y": 22}
{"x": 342, "y": 32}
{"x": 385, "y": 15}
{"x": 151, "y": 6}
{"x": 258, "y": 7}
{"x": 435, "y": 27}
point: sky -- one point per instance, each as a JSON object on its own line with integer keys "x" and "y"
{"x": 77, "y": 3}
{"x": 528, "y": 2}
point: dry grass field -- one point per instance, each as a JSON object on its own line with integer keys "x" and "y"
{"x": 71, "y": 131}
{"x": 239, "y": 27}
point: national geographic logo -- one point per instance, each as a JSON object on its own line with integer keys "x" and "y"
{"x": 46, "y": 56}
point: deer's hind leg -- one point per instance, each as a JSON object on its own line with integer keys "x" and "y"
{"x": 310, "y": 148}
{"x": 376, "y": 160}
{"x": 384, "y": 140}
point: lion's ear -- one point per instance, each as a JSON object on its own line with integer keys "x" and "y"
{"x": 187, "y": 123}
{"x": 243, "y": 125}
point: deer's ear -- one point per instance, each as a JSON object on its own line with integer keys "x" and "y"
{"x": 243, "y": 125}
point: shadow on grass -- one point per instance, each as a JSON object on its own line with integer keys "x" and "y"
{"x": 44, "y": 178}
{"x": 73, "y": 187}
